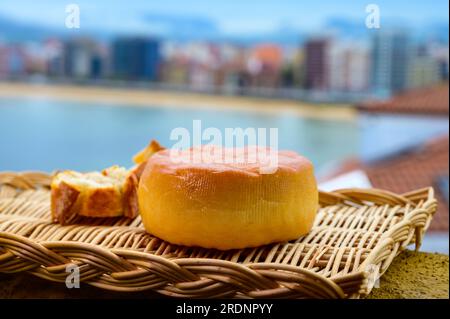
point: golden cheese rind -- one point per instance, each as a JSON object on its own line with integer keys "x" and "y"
{"x": 227, "y": 206}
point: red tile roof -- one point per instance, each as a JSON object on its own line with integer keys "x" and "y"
{"x": 419, "y": 167}
{"x": 430, "y": 101}
{"x": 269, "y": 54}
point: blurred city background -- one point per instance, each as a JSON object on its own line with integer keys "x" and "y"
{"x": 369, "y": 106}
{"x": 317, "y": 52}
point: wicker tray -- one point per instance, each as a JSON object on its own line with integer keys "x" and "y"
{"x": 355, "y": 237}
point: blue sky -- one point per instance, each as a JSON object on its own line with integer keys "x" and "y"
{"x": 230, "y": 16}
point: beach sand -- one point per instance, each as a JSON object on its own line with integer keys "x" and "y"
{"x": 157, "y": 98}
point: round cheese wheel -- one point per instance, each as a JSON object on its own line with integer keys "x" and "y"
{"x": 227, "y": 204}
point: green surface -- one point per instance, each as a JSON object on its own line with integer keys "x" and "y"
{"x": 414, "y": 275}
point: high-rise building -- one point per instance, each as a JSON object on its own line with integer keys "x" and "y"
{"x": 390, "y": 60}
{"x": 12, "y": 61}
{"x": 349, "y": 67}
{"x": 439, "y": 53}
{"x": 81, "y": 58}
{"x": 53, "y": 51}
{"x": 136, "y": 58}
{"x": 316, "y": 64}
{"x": 424, "y": 69}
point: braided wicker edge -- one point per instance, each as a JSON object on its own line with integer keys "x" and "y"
{"x": 127, "y": 270}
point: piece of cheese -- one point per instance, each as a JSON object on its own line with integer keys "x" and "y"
{"x": 110, "y": 193}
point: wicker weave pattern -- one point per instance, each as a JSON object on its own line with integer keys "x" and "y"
{"x": 355, "y": 237}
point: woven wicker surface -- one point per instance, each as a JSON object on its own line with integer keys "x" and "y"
{"x": 355, "y": 237}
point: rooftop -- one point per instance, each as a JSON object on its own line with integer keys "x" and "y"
{"x": 428, "y": 101}
{"x": 418, "y": 167}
